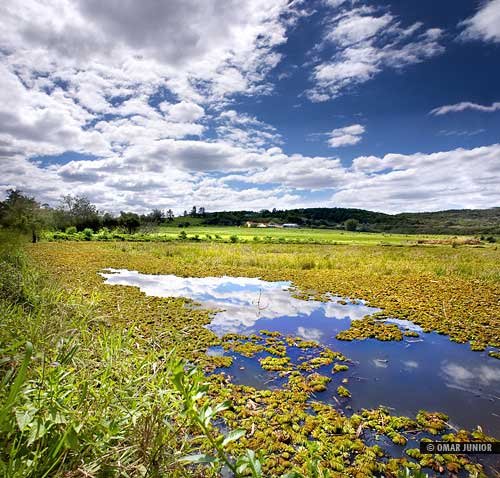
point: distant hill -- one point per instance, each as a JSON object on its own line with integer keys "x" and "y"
{"x": 464, "y": 221}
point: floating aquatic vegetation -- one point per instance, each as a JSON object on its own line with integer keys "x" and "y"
{"x": 411, "y": 333}
{"x": 276, "y": 345}
{"x": 433, "y": 422}
{"x": 317, "y": 382}
{"x": 276, "y": 364}
{"x": 340, "y": 368}
{"x": 369, "y": 328}
{"x": 343, "y": 392}
{"x": 446, "y": 462}
{"x": 494, "y": 354}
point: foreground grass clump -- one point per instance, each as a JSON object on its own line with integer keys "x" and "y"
{"x": 76, "y": 396}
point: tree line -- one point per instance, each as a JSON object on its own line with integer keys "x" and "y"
{"x": 76, "y": 213}
{"x": 25, "y": 214}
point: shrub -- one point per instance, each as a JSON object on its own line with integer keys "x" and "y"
{"x": 71, "y": 230}
{"x": 87, "y": 233}
{"x": 351, "y": 224}
{"x": 233, "y": 238}
{"x": 60, "y": 236}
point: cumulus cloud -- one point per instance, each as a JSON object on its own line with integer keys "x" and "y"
{"x": 98, "y": 78}
{"x": 485, "y": 24}
{"x": 229, "y": 46}
{"x": 184, "y": 111}
{"x": 347, "y": 136}
{"x": 463, "y": 106}
{"x": 459, "y": 178}
{"x": 240, "y": 129}
{"x": 365, "y": 43}
{"x": 147, "y": 94}
{"x": 172, "y": 173}
{"x": 133, "y": 87}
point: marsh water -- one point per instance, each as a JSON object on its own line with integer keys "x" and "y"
{"x": 429, "y": 372}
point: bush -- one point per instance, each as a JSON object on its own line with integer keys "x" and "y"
{"x": 71, "y": 230}
{"x": 183, "y": 236}
{"x": 87, "y": 233}
{"x": 233, "y": 238}
{"x": 103, "y": 234}
{"x": 351, "y": 224}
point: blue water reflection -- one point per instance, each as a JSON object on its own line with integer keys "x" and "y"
{"x": 429, "y": 372}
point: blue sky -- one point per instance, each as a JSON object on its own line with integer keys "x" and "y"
{"x": 385, "y": 105}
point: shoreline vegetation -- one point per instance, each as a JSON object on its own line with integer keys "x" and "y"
{"x": 99, "y": 381}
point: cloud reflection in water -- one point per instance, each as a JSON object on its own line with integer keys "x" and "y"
{"x": 240, "y": 301}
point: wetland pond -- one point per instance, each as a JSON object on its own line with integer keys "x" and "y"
{"x": 426, "y": 372}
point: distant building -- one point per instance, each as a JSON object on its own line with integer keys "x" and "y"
{"x": 270, "y": 224}
{"x": 251, "y": 224}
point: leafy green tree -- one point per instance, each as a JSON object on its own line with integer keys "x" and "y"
{"x": 156, "y": 216}
{"x": 23, "y": 213}
{"x": 130, "y": 221}
{"x": 109, "y": 221}
{"x": 351, "y": 224}
{"x": 77, "y": 211}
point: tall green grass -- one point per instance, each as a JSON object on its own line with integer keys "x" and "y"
{"x": 78, "y": 398}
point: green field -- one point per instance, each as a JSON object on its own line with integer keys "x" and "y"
{"x": 218, "y": 234}
{"x": 294, "y": 235}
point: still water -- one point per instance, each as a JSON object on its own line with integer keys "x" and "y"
{"x": 429, "y": 372}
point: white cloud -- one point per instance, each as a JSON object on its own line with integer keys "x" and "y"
{"x": 184, "y": 111}
{"x": 150, "y": 91}
{"x": 357, "y": 27}
{"x": 99, "y": 78}
{"x": 229, "y": 47}
{"x": 127, "y": 83}
{"x": 178, "y": 173}
{"x": 465, "y": 105}
{"x": 485, "y": 24}
{"x": 347, "y": 136}
{"x": 459, "y": 178}
{"x": 240, "y": 129}
{"x": 365, "y": 43}
{"x": 295, "y": 171}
